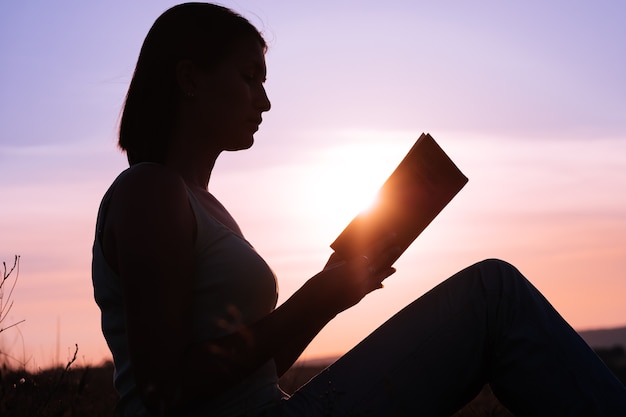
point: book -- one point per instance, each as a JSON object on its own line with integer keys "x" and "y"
{"x": 424, "y": 182}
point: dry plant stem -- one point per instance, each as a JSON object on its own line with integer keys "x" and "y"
{"x": 5, "y": 302}
{"x": 58, "y": 383}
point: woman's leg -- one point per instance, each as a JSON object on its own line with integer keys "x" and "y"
{"x": 485, "y": 324}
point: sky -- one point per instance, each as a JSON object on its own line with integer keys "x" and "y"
{"x": 528, "y": 98}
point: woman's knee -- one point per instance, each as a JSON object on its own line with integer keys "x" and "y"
{"x": 495, "y": 264}
{"x": 494, "y": 267}
{"x": 496, "y": 273}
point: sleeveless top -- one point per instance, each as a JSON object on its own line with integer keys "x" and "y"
{"x": 233, "y": 286}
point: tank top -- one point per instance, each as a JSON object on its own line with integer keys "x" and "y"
{"x": 233, "y": 286}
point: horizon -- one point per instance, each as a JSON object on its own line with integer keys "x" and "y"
{"x": 527, "y": 99}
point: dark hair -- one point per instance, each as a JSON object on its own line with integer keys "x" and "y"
{"x": 201, "y": 32}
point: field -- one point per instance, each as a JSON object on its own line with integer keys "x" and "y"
{"x": 79, "y": 391}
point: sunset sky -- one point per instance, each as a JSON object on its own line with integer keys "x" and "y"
{"x": 528, "y": 98}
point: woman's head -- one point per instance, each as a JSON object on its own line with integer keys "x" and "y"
{"x": 202, "y": 33}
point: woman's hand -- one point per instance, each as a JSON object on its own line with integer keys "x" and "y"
{"x": 383, "y": 253}
{"x": 339, "y": 286}
{"x": 343, "y": 283}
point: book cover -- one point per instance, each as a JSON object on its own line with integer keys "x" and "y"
{"x": 414, "y": 194}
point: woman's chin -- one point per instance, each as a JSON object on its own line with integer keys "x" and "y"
{"x": 242, "y": 146}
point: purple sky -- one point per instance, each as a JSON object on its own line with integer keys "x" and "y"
{"x": 529, "y": 100}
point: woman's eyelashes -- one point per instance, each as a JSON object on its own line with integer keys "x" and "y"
{"x": 253, "y": 77}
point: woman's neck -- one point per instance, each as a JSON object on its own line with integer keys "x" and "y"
{"x": 194, "y": 167}
{"x": 191, "y": 153}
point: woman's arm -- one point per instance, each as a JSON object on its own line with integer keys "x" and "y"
{"x": 284, "y": 333}
{"x": 338, "y": 279}
{"x": 149, "y": 240}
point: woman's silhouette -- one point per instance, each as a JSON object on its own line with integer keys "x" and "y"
{"x": 189, "y": 307}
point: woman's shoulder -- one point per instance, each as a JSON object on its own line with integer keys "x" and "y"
{"x": 150, "y": 187}
{"x": 146, "y": 179}
{"x": 147, "y": 174}
{"x": 148, "y": 211}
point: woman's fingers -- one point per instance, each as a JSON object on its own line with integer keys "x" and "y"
{"x": 333, "y": 261}
{"x": 384, "y": 252}
{"x": 380, "y": 269}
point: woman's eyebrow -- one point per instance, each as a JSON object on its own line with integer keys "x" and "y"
{"x": 260, "y": 68}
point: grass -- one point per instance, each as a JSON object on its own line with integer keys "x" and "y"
{"x": 58, "y": 392}
{"x": 88, "y": 391}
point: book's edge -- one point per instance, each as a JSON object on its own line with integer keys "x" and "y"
{"x": 443, "y": 154}
{"x": 428, "y": 143}
{"x": 456, "y": 180}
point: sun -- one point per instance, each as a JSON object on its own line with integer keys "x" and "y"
{"x": 346, "y": 179}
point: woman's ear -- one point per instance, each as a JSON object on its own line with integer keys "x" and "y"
{"x": 186, "y": 77}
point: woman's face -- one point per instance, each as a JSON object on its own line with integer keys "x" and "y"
{"x": 230, "y": 99}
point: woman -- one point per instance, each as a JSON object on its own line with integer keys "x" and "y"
{"x": 189, "y": 308}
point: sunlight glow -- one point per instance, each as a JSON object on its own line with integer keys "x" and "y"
{"x": 347, "y": 180}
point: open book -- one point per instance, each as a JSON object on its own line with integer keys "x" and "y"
{"x": 419, "y": 188}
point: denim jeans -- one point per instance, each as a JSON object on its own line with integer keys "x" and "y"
{"x": 486, "y": 324}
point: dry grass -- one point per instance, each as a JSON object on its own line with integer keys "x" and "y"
{"x": 88, "y": 391}
{"x": 58, "y": 392}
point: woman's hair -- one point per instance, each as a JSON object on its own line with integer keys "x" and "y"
{"x": 201, "y": 32}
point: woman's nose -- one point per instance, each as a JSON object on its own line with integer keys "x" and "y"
{"x": 262, "y": 101}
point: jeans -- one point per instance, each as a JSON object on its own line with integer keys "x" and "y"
{"x": 486, "y": 324}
